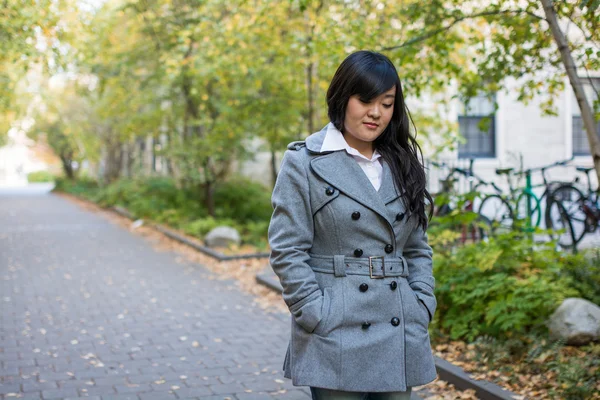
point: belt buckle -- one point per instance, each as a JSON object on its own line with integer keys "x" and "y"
{"x": 371, "y": 267}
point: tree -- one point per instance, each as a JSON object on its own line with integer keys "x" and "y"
{"x": 571, "y": 70}
{"x": 203, "y": 83}
{"x": 62, "y": 119}
{"x": 125, "y": 90}
{"x": 480, "y": 44}
{"x": 29, "y": 33}
{"x": 211, "y": 75}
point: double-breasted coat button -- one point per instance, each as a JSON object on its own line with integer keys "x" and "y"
{"x": 399, "y": 217}
{"x": 395, "y": 321}
{"x": 363, "y": 287}
{"x": 366, "y": 325}
{"x": 358, "y": 252}
{"x": 393, "y": 285}
{"x": 355, "y": 215}
{"x": 389, "y": 248}
{"x": 329, "y": 191}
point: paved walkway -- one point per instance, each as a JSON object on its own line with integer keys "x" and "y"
{"x": 88, "y": 309}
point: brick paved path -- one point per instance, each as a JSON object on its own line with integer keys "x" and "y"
{"x": 88, "y": 309}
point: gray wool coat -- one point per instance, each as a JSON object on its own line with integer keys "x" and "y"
{"x": 356, "y": 275}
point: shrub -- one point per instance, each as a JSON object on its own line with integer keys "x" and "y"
{"x": 82, "y": 186}
{"x": 173, "y": 217}
{"x": 583, "y": 273}
{"x": 243, "y": 200}
{"x": 150, "y": 197}
{"x": 255, "y": 233}
{"x": 239, "y": 203}
{"x": 501, "y": 288}
{"x": 572, "y": 372}
{"x": 40, "y": 176}
{"x": 577, "y": 377}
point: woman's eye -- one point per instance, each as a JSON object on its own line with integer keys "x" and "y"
{"x": 388, "y": 105}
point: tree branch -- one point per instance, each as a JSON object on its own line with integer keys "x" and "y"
{"x": 456, "y": 21}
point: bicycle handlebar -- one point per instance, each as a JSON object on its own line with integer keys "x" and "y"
{"x": 467, "y": 173}
{"x": 545, "y": 167}
{"x": 470, "y": 174}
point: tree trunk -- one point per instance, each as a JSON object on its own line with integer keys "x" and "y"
{"x": 113, "y": 163}
{"x": 586, "y": 110}
{"x": 130, "y": 159}
{"x": 127, "y": 160}
{"x": 311, "y": 67}
{"x": 273, "y": 166}
{"x": 209, "y": 200}
{"x": 311, "y": 106}
{"x": 191, "y": 104}
{"x": 67, "y": 166}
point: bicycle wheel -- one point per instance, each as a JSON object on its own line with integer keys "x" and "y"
{"x": 563, "y": 231}
{"x": 525, "y": 200}
{"x": 483, "y": 228}
{"x": 497, "y": 210}
{"x": 572, "y": 201}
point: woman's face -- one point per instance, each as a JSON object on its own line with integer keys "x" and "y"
{"x": 364, "y": 122}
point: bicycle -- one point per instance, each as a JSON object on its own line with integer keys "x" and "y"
{"x": 583, "y": 210}
{"x": 521, "y": 204}
{"x": 477, "y": 229}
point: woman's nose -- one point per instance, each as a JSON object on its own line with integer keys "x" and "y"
{"x": 374, "y": 111}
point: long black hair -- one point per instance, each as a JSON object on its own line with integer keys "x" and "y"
{"x": 369, "y": 74}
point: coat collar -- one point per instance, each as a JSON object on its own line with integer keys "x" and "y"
{"x": 334, "y": 140}
{"x": 315, "y": 141}
{"x": 347, "y": 168}
{"x": 339, "y": 169}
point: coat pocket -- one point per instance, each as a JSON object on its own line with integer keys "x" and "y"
{"x": 423, "y": 307}
{"x": 321, "y": 327}
{"x": 419, "y": 357}
{"x": 315, "y": 356}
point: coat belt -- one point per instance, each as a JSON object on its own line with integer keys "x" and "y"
{"x": 375, "y": 267}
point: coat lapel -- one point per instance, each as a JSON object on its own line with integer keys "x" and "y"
{"x": 342, "y": 171}
{"x": 388, "y": 191}
{"x": 339, "y": 169}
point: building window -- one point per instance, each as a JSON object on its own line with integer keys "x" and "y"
{"x": 478, "y": 143}
{"x": 581, "y": 145}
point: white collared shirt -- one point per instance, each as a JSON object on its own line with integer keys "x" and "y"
{"x": 334, "y": 140}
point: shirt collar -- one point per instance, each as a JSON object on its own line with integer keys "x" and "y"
{"x": 334, "y": 140}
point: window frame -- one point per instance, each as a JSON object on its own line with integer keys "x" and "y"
{"x": 577, "y": 117}
{"x": 492, "y": 152}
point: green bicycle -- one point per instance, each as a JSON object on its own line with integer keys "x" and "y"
{"x": 521, "y": 204}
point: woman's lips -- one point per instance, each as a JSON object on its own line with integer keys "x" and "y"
{"x": 370, "y": 125}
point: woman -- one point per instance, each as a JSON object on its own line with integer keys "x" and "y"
{"x": 349, "y": 244}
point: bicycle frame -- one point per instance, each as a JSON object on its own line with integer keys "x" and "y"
{"x": 591, "y": 206}
{"x": 533, "y": 202}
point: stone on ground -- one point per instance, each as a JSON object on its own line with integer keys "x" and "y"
{"x": 222, "y": 236}
{"x": 576, "y": 320}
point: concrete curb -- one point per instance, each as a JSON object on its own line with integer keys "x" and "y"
{"x": 206, "y": 250}
{"x": 446, "y": 371}
{"x": 269, "y": 279}
{"x": 460, "y": 379}
{"x": 123, "y": 212}
{"x": 190, "y": 242}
